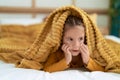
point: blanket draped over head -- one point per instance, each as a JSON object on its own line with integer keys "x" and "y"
{"x": 29, "y": 47}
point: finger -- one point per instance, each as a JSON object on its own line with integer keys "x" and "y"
{"x": 83, "y": 49}
{"x": 68, "y": 50}
{"x": 64, "y": 48}
{"x": 69, "y": 53}
{"x": 84, "y": 46}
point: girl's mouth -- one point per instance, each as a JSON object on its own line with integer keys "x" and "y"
{"x": 75, "y": 50}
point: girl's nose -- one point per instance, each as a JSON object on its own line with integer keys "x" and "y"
{"x": 76, "y": 44}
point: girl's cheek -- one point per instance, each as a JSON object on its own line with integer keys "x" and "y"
{"x": 82, "y": 41}
{"x": 67, "y": 42}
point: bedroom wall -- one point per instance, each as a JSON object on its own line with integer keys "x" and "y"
{"x": 102, "y": 20}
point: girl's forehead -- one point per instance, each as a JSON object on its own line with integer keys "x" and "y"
{"x": 74, "y": 31}
{"x": 73, "y": 28}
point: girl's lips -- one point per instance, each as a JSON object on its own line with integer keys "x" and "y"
{"x": 75, "y": 50}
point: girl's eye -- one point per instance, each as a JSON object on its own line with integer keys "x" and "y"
{"x": 70, "y": 39}
{"x": 81, "y": 38}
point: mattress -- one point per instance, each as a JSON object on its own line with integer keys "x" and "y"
{"x": 9, "y": 72}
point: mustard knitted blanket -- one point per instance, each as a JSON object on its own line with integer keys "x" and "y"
{"x": 30, "y": 47}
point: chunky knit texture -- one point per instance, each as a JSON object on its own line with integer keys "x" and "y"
{"x": 29, "y": 51}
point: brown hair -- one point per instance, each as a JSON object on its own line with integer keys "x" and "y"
{"x": 73, "y": 21}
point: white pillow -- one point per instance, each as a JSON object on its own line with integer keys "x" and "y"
{"x": 114, "y": 38}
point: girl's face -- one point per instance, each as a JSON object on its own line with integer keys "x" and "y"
{"x": 73, "y": 37}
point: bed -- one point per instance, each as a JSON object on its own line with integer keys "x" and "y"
{"x": 10, "y": 72}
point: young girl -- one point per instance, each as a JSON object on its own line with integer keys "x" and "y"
{"x": 73, "y": 52}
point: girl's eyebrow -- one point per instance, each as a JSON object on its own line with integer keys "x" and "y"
{"x": 68, "y": 37}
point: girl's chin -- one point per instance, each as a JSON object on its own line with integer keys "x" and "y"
{"x": 75, "y": 54}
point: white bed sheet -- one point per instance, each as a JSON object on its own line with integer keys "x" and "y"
{"x": 9, "y": 72}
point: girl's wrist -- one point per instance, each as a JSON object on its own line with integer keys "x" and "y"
{"x": 67, "y": 60}
{"x": 86, "y": 62}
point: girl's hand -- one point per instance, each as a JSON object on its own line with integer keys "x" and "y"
{"x": 66, "y": 50}
{"x": 84, "y": 53}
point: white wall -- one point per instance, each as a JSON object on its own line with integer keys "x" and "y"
{"x": 102, "y": 20}
{"x": 17, "y": 3}
{"x": 93, "y": 4}
{"x": 52, "y": 3}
